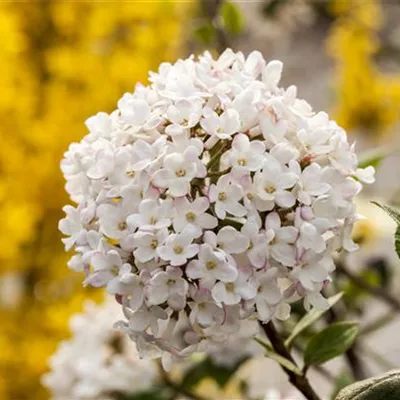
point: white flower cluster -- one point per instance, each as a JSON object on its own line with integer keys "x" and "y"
{"x": 210, "y": 197}
{"x": 98, "y": 361}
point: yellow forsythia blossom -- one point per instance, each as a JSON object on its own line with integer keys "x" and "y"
{"x": 60, "y": 62}
{"x": 367, "y": 99}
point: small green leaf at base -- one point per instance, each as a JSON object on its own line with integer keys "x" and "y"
{"x": 385, "y": 387}
{"x": 270, "y": 353}
{"x": 395, "y": 215}
{"x": 330, "y": 342}
{"x": 309, "y": 319}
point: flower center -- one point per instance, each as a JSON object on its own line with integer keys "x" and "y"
{"x": 153, "y": 220}
{"x": 270, "y": 188}
{"x": 211, "y": 265}
{"x": 115, "y": 270}
{"x": 178, "y": 249}
{"x": 180, "y": 173}
{"x": 171, "y": 282}
{"x": 122, "y": 225}
{"x": 130, "y": 174}
{"x": 250, "y": 196}
{"x": 230, "y": 287}
{"x": 242, "y": 162}
{"x": 191, "y": 216}
{"x": 222, "y": 196}
{"x": 154, "y": 244}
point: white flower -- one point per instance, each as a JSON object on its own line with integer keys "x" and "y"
{"x": 152, "y": 215}
{"x": 310, "y": 183}
{"x": 193, "y": 215}
{"x": 221, "y": 126}
{"x": 273, "y": 183}
{"x": 163, "y": 285}
{"x": 178, "y": 248}
{"x": 87, "y": 366}
{"x": 211, "y": 266}
{"x": 268, "y": 294}
{"x": 137, "y": 113}
{"x": 185, "y": 113}
{"x": 281, "y": 246}
{"x": 313, "y": 268}
{"x": 197, "y": 190}
{"x": 127, "y": 283}
{"x": 228, "y": 239}
{"x": 271, "y": 74}
{"x": 147, "y": 243}
{"x": 226, "y": 197}
{"x": 71, "y": 226}
{"x": 258, "y": 251}
{"x": 103, "y": 162}
{"x": 106, "y": 267}
{"x": 100, "y": 124}
{"x": 112, "y": 219}
{"x": 246, "y": 155}
{"x": 178, "y": 171}
{"x": 310, "y": 238}
{"x": 232, "y": 292}
{"x": 204, "y": 310}
{"x": 366, "y": 175}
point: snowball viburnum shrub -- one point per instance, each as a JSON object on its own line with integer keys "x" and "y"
{"x": 210, "y": 197}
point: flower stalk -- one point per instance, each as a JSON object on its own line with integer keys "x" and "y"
{"x": 299, "y": 381}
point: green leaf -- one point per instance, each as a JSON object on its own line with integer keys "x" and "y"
{"x": 310, "y": 318}
{"x": 204, "y": 33}
{"x": 385, "y": 387}
{"x": 392, "y": 212}
{"x": 395, "y": 215}
{"x": 232, "y": 18}
{"x": 208, "y": 369}
{"x": 331, "y": 342}
{"x": 278, "y": 358}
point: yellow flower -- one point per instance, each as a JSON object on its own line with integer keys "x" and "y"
{"x": 367, "y": 99}
{"x": 60, "y": 62}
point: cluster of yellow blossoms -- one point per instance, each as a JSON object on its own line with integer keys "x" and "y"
{"x": 368, "y": 100}
{"x": 61, "y": 62}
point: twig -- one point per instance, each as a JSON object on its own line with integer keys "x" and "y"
{"x": 178, "y": 389}
{"x": 374, "y": 290}
{"x": 218, "y": 173}
{"x": 319, "y": 368}
{"x": 299, "y": 381}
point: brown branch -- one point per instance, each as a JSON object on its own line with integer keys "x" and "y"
{"x": 376, "y": 291}
{"x": 299, "y": 381}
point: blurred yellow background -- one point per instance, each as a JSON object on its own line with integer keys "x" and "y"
{"x": 61, "y": 62}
